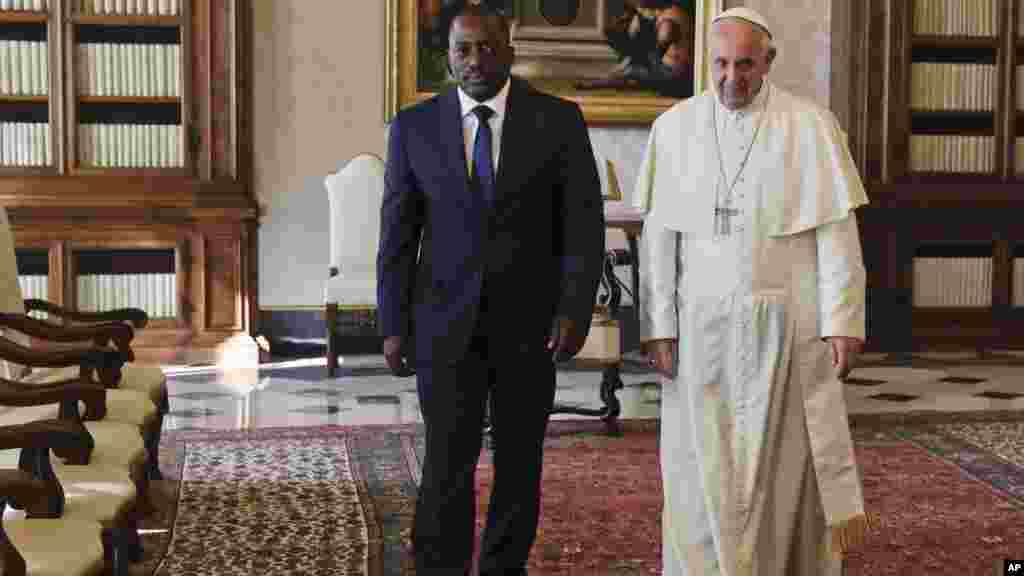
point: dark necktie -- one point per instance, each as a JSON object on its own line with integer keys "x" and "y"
{"x": 483, "y": 154}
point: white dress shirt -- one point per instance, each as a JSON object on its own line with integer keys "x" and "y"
{"x": 470, "y": 124}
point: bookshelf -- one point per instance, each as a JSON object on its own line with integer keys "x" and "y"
{"x": 937, "y": 130}
{"x": 125, "y": 156}
{"x": 25, "y": 136}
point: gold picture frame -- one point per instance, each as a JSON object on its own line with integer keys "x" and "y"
{"x": 626, "y": 108}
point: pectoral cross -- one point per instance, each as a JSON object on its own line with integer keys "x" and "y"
{"x": 723, "y": 220}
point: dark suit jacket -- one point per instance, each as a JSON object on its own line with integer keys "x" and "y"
{"x": 537, "y": 252}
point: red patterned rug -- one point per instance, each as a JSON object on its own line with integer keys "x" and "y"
{"x": 945, "y": 499}
{"x": 945, "y": 492}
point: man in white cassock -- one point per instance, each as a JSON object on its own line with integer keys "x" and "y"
{"x": 752, "y": 294}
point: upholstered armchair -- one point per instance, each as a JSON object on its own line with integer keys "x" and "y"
{"x": 354, "y": 194}
{"x": 142, "y": 388}
{"x": 46, "y": 543}
{"x": 98, "y": 476}
{"x": 118, "y": 445}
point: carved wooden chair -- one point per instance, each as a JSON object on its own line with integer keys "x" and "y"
{"x": 71, "y": 495}
{"x": 141, "y": 398}
{"x": 118, "y": 445}
{"x": 354, "y": 193}
{"x": 45, "y": 542}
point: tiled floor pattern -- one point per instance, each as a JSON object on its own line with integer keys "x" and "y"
{"x": 299, "y": 393}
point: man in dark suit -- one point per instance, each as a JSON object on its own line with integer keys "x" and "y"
{"x": 492, "y": 241}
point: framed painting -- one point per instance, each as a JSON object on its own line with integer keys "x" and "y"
{"x": 622, "y": 61}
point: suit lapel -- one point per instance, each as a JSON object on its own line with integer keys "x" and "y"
{"x": 515, "y": 131}
{"x": 453, "y": 141}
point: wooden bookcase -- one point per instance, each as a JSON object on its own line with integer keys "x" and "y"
{"x": 936, "y": 127}
{"x": 144, "y": 106}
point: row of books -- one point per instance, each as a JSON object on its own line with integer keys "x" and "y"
{"x": 951, "y": 153}
{"x": 34, "y": 286}
{"x": 940, "y": 86}
{"x": 131, "y": 145}
{"x": 24, "y": 68}
{"x": 956, "y": 17}
{"x": 154, "y": 293}
{"x": 129, "y": 69}
{"x": 24, "y": 144}
{"x": 131, "y": 7}
{"x": 953, "y": 282}
{"x": 111, "y": 7}
{"x": 24, "y": 5}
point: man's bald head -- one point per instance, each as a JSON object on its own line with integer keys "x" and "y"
{"x": 741, "y": 55}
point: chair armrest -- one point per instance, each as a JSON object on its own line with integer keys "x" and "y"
{"x": 36, "y": 439}
{"x": 20, "y": 488}
{"x": 119, "y": 333}
{"x": 134, "y": 316}
{"x": 92, "y": 357}
{"x": 67, "y": 393}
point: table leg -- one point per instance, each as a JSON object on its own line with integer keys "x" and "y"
{"x": 634, "y": 266}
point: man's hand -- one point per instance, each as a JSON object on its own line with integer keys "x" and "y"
{"x": 844, "y": 354}
{"x": 661, "y": 356}
{"x": 565, "y": 340}
{"x": 394, "y": 353}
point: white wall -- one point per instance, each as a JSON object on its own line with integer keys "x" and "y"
{"x": 318, "y": 93}
{"x": 802, "y": 32}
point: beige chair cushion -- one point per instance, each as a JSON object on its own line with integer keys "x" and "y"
{"x": 126, "y": 406}
{"x": 58, "y": 547}
{"x": 603, "y": 344}
{"x": 146, "y": 378}
{"x": 116, "y": 444}
{"x": 104, "y": 495}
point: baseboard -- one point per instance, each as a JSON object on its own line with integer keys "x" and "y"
{"x": 303, "y": 332}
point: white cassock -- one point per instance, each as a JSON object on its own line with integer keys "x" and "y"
{"x": 757, "y": 461}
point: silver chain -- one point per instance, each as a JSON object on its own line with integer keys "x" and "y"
{"x": 746, "y": 158}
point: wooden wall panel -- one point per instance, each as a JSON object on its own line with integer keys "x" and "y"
{"x": 224, "y": 282}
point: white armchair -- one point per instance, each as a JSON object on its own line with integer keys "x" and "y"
{"x": 355, "y": 193}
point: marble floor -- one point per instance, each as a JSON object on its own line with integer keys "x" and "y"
{"x": 299, "y": 393}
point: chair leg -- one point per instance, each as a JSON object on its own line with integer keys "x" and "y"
{"x": 13, "y": 562}
{"x": 114, "y": 556}
{"x": 332, "y": 342}
{"x": 130, "y": 541}
{"x": 152, "y": 442}
{"x": 140, "y": 477}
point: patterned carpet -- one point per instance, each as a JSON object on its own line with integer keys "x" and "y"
{"x": 946, "y": 493}
{"x": 302, "y": 500}
{"x": 946, "y": 498}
